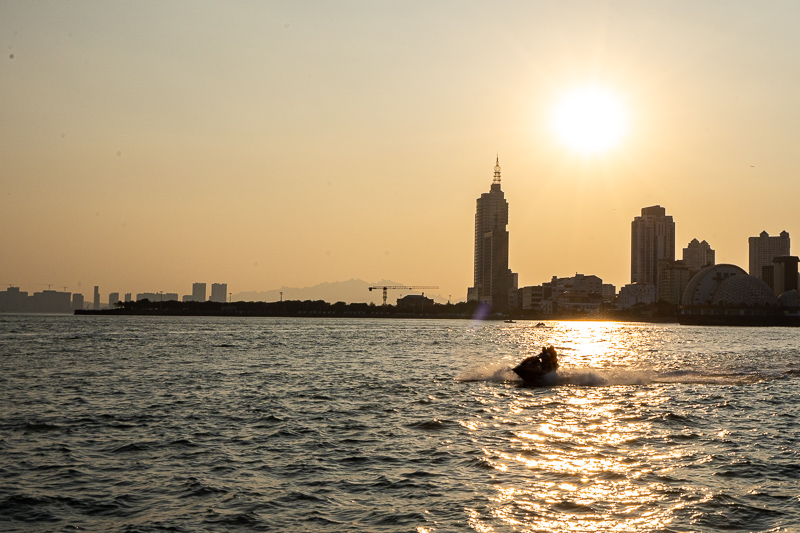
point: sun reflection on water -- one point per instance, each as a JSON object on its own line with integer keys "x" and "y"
{"x": 575, "y": 458}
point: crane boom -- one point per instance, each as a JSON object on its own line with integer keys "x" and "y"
{"x": 403, "y": 287}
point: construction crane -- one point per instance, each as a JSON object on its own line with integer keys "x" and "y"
{"x": 402, "y": 287}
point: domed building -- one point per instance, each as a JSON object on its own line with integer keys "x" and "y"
{"x": 727, "y": 295}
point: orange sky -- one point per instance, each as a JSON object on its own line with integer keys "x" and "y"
{"x": 145, "y": 146}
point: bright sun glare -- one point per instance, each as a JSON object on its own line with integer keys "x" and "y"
{"x": 590, "y": 120}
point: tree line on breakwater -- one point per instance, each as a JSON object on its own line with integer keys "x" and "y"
{"x": 321, "y": 308}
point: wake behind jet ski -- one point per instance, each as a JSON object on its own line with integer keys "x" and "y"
{"x": 533, "y": 369}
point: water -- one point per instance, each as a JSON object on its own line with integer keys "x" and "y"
{"x": 226, "y": 424}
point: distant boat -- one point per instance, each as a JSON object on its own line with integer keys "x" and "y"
{"x": 510, "y": 322}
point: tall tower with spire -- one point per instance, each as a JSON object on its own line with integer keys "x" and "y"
{"x": 493, "y": 279}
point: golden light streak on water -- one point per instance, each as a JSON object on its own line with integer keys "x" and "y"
{"x": 576, "y": 456}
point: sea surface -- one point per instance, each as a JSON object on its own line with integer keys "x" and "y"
{"x": 330, "y": 425}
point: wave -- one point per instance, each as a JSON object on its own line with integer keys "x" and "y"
{"x": 492, "y": 372}
{"x": 605, "y": 377}
{"x": 589, "y": 377}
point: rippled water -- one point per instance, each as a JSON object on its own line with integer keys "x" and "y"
{"x": 225, "y": 424}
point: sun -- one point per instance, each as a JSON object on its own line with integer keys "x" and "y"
{"x": 590, "y": 120}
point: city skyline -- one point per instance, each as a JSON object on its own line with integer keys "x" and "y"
{"x": 274, "y": 145}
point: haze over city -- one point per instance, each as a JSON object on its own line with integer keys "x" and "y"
{"x": 147, "y": 146}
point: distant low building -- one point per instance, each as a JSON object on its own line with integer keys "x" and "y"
{"x": 578, "y": 302}
{"x": 157, "y": 296}
{"x": 531, "y": 297}
{"x": 578, "y": 282}
{"x": 636, "y": 293}
{"x": 608, "y": 292}
{"x": 673, "y": 277}
{"x": 416, "y": 303}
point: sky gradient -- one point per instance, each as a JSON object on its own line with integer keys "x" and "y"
{"x": 148, "y": 145}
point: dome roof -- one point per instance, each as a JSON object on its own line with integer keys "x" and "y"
{"x": 727, "y": 285}
{"x": 743, "y": 290}
{"x": 701, "y": 287}
{"x": 789, "y": 299}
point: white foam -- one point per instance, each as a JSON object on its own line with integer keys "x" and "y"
{"x": 500, "y": 371}
{"x": 586, "y": 377}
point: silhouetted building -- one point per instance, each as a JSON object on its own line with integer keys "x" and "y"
{"x": 219, "y": 292}
{"x": 96, "y": 301}
{"x": 77, "y": 301}
{"x": 51, "y": 302}
{"x": 113, "y": 298}
{"x": 673, "y": 277}
{"x": 493, "y": 280}
{"x": 608, "y": 292}
{"x": 13, "y": 300}
{"x": 784, "y": 274}
{"x": 157, "y": 296}
{"x": 532, "y": 297}
{"x": 652, "y": 240}
{"x": 636, "y": 294}
{"x": 727, "y": 295}
{"x": 128, "y": 297}
{"x": 416, "y": 303}
{"x": 763, "y": 249}
{"x": 577, "y": 283}
{"x": 698, "y": 255}
{"x": 199, "y": 292}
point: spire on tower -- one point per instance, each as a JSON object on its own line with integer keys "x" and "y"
{"x": 497, "y": 170}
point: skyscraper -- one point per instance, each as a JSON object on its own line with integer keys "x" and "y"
{"x": 698, "y": 255}
{"x": 96, "y": 301}
{"x": 199, "y": 292}
{"x": 493, "y": 278}
{"x": 652, "y": 240}
{"x": 219, "y": 292}
{"x": 763, "y": 249}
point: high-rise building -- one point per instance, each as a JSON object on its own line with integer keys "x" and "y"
{"x": 96, "y": 301}
{"x": 219, "y": 292}
{"x": 13, "y": 300}
{"x": 77, "y": 301}
{"x": 199, "y": 292}
{"x": 673, "y": 277}
{"x": 784, "y": 274}
{"x": 652, "y": 240}
{"x": 493, "y": 279}
{"x": 51, "y": 302}
{"x": 113, "y": 298}
{"x": 698, "y": 255}
{"x": 763, "y": 249}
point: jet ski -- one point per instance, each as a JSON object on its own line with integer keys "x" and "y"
{"x": 533, "y": 369}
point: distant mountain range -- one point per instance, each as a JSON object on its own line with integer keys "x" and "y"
{"x": 350, "y": 291}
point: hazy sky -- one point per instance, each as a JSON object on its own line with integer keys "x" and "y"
{"x": 148, "y": 145}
